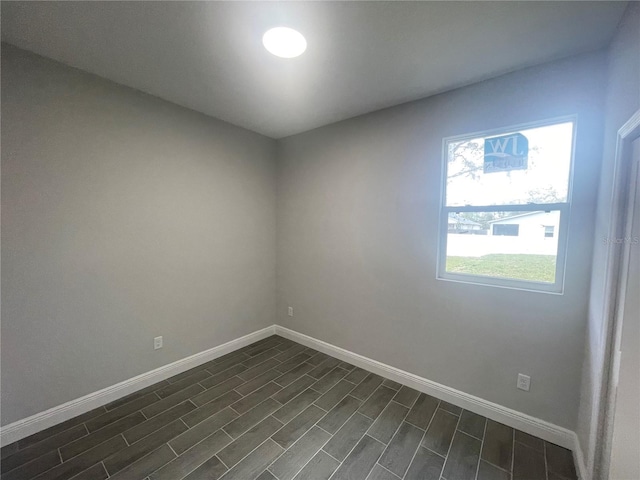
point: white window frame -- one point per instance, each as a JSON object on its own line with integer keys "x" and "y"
{"x": 564, "y": 208}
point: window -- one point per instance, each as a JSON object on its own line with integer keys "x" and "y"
{"x": 508, "y": 229}
{"x": 505, "y": 206}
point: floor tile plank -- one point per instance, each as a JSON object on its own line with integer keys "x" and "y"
{"x": 406, "y": 396}
{"x": 85, "y": 460}
{"x": 329, "y": 380}
{"x": 61, "y": 427}
{"x": 463, "y": 458}
{"x": 528, "y": 464}
{"x": 530, "y": 441}
{"x": 205, "y": 411}
{"x": 401, "y": 449}
{"x": 97, "y": 472}
{"x": 440, "y": 432}
{"x": 334, "y": 395}
{"x": 367, "y": 386}
{"x": 498, "y": 445}
{"x": 28, "y": 454}
{"x": 130, "y": 454}
{"x": 361, "y": 460}
{"x": 486, "y": 471}
{"x": 422, "y": 411}
{"x": 320, "y": 467}
{"x": 297, "y": 427}
{"x": 377, "y": 402}
{"x": 191, "y": 459}
{"x": 472, "y": 424}
{"x": 96, "y": 438}
{"x": 560, "y": 461}
{"x": 293, "y": 374}
{"x": 202, "y": 430}
{"x": 245, "y": 443}
{"x": 296, "y": 457}
{"x": 247, "y": 403}
{"x": 217, "y": 379}
{"x": 212, "y": 469}
{"x": 146, "y": 465}
{"x": 259, "y": 369}
{"x": 121, "y": 412}
{"x": 388, "y": 422}
{"x": 339, "y": 414}
{"x": 31, "y": 469}
{"x": 296, "y": 405}
{"x": 254, "y": 463}
{"x": 134, "y": 434}
{"x": 324, "y": 368}
{"x": 294, "y": 389}
{"x": 348, "y": 436}
{"x": 254, "y": 416}
{"x": 257, "y": 382}
{"x": 170, "y": 401}
{"x": 426, "y": 465}
{"x": 182, "y": 384}
{"x": 381, "y": 473}
{"x": 357, "y": 375}
{"x": 451, "y": 408}
{"x": 217, "y": 391}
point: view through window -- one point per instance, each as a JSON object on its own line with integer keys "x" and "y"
{"x": 506, "y": 203}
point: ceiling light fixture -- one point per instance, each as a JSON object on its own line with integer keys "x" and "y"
{"x": 284, "y": 42}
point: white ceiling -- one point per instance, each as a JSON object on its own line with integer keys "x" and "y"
{"x": 362, "y": 56}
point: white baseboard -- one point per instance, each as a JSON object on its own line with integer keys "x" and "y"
{"x": 534, "y": 426}
{"x": 43, "y": 420}
{"x": 521, "y": 421}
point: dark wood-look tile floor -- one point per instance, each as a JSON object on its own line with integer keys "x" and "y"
{"x": 276, "y": 410}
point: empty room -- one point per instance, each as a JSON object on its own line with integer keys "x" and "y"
{"x": 320, "y": 240}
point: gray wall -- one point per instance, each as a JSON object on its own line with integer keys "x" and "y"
{"x": 357, "y": 211}
{"x": 622, "y": 101}
{"x": 124, "y": 217}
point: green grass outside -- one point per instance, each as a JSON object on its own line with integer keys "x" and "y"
{"x": 540, "y": 268}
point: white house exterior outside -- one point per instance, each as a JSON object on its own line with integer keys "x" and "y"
{"x": 534, "y": 233}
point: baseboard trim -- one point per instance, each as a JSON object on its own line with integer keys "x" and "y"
{"x": 43, "y": 420}
{"x": 534, "y": 426}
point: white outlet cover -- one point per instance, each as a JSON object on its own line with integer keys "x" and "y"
{"x": 524, "y": 382}
{"x": 291, "y": 311}
{"x": 157, "y": 343}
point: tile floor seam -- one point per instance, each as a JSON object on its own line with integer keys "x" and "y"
{"x": 302, "y": 468}
{"x": 513, "y": 451}
{"x": 484, "y": 433}
{"x": 362, "y": 436}
{"x": 444, "y": 465}
{"x": 385, "y": 468}
{"x": 424, "y": 433}
{"x": 546, "y": 465}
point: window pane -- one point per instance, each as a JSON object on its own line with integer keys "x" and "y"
{"x": 504, "y": 244}
{"x": 493, "y": 171}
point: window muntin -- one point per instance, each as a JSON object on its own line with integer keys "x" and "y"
{"x": 512, "y": 225}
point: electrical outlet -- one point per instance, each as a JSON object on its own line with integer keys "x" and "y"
{"x": 157, "y": 343}
{"x": 524, "y": 382}
{"x": 291, "y": 311}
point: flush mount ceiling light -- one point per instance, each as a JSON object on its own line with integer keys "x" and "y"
{"x": 284, "y": 42}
